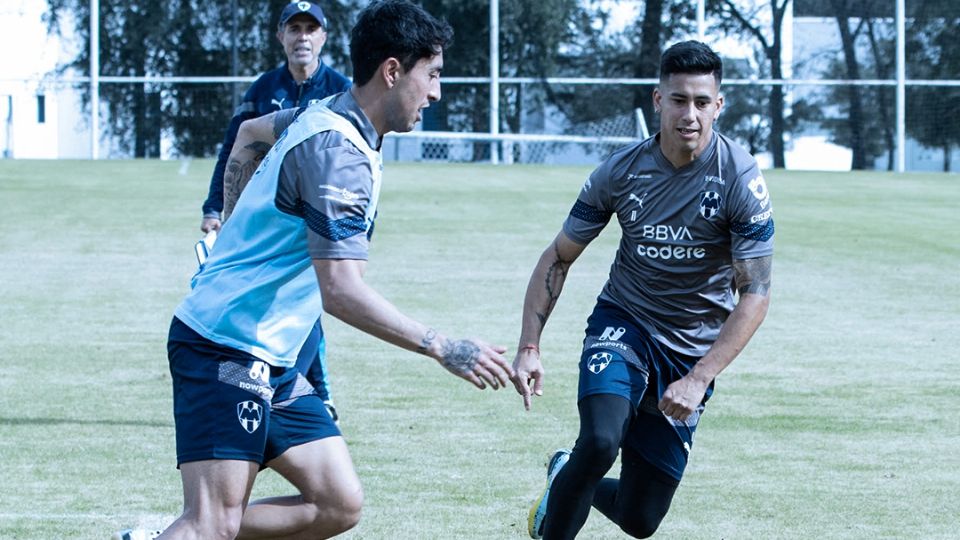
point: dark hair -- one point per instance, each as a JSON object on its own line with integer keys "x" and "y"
{"x": 691, "y": 57}
{"x": 394, "y": 29}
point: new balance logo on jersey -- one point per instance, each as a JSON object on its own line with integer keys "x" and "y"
{"x": 250, "y": 414}
{"x": 709, "y": 203}
{"x": 260, "y": 371}
{"x": 612, "y": 334}
{"x": 598, "y": 362}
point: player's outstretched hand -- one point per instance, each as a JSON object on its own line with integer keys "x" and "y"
{"x": 528, "y": 368}
{"x": 210, "y": 224}
{"x": 477, "y": 362}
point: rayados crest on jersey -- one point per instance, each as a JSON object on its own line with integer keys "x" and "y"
{"x": 710, "y": 204}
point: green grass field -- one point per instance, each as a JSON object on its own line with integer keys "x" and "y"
{"x": 839, "y": 421}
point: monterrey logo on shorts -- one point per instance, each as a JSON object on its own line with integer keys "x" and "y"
{"x": 250, "y": 414}
{"x": 709, "y": 204}
{"x": 598, "y": 362}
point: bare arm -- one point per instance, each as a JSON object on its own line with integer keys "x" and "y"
{"x": 347, "y": 297}
{"x": 752, "y": 279}
{"x": 254, "y": 139}
{"x": 543, "y": 291}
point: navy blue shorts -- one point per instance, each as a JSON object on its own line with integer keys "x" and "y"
{"x": 621, "y": 358}
{"x": 228, "y": 404}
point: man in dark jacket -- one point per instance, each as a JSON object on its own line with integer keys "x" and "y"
{"x": 303, "y": 80}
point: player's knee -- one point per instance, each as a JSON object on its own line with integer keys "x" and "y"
{"x": 224, "y": 523}
{"x": 639, "y": 524}
{"x": 350, "y": 510}
{"x": 338, "y": 514}
{"x": 599, "y": 449}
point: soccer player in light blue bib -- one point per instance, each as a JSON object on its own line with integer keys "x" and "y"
{"x": 696, "y": 232}
{"x": 296, "y": 245}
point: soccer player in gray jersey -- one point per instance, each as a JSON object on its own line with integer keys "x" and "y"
{"x": 688, "y": 288}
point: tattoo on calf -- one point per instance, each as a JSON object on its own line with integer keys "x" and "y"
{"x": 460, "y": 356}
{"x": 753, "y": 275}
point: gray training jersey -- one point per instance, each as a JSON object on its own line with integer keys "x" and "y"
{"x": 335, "y": 177}
{"x": 681, "y": 230}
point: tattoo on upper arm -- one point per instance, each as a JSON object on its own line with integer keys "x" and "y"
{"x": 460, "y": 356}
{"x": 427, "y": 340}
{"x": 752, "y": 276}
{"x": 556, "y": 275}
{"x": 278, "y": 126}
{"x": 238, "y": 174}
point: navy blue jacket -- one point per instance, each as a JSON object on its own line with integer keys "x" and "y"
{"x": 272, "y": 91}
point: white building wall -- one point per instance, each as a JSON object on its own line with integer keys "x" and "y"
{"x": 31, "y": 55}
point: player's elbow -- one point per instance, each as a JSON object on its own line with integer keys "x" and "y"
{"x": 756, "y": 304}
{"x": 335, "y": 302}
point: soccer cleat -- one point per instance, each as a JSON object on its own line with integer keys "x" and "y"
{"x": 135, "y": 534}
{"x": 538, "y": 512}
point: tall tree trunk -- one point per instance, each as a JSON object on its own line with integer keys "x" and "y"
{"x": 882, "y": 70}
{"x": 777, "y": 122}
{"x": 648, "y": 61}
{"x": 140, "y": 121}
{"x": 855, "y": 119}
{"x": 774, "y": 52}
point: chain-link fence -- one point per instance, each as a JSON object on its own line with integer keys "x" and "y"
{"x": 863, "y": 84}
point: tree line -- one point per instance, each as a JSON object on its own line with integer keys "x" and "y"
{"x": 547, "y": 38}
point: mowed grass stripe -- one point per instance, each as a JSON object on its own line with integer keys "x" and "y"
{"x": 836, "y": 422}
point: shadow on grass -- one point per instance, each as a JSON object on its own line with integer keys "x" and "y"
{"x": 80, "y": 422}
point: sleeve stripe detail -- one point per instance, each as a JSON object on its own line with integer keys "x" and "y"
{"x": 753, "y": 231}
{"x": 331, "y": 229}
{"x": 585, "y": 212}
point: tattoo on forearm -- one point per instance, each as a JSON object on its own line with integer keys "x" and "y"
{"x": 460, "y": 356}
{"x": 556, "y": 275}
{"x": 427, "y": 340}
{"x": 238, "y": 174}
{"x": 752, "y": 276}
